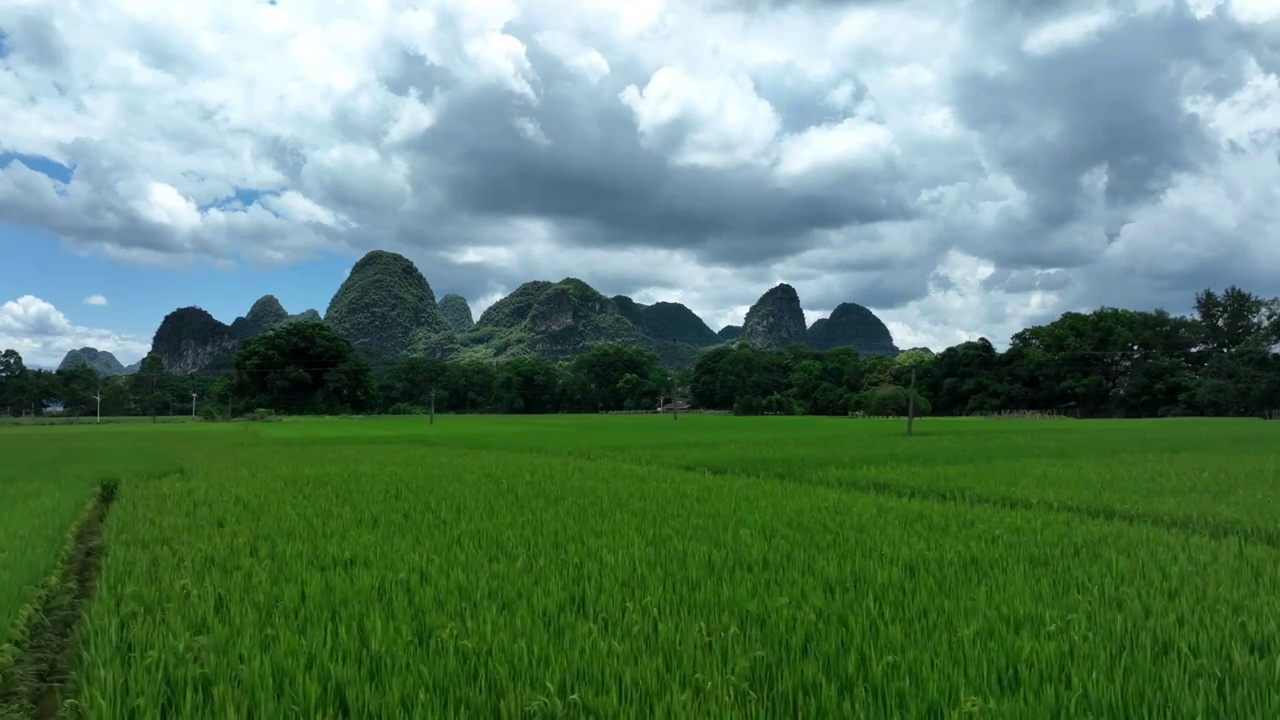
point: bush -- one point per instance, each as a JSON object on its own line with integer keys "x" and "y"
{"x": 404, "y": 408}
{"x": 262, "y": 415}
{"x": 748, "y": 405}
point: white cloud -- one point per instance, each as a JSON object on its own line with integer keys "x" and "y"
{"x": 42, "y": 334}
{"x": 1068, "y": 31}
{"x": 714, "y": 122}
{"x": 338, "y": 115}
{"x": 95, "y": 300}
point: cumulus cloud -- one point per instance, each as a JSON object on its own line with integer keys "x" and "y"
{"x": 95, "y": 300}
{"x": 43, "y": 334}
{"x": 960, "y": 167}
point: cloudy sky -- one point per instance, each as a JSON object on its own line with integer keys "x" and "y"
{"x": 964, "y": 167}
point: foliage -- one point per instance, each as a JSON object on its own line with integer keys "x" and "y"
{"x": 457, "y": 313}
{"x": 382, "y": 303}
{"x": 264, "y": 315}
{"x": 302, "y": 367}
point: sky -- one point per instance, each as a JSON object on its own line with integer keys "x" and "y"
{"x": 965, "y": 168}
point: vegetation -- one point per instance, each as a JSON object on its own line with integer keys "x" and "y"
{"x": 729, "y": 332}
{"x": 775, "y": 321}
{"x": 190, "y": 339}
{"x": 714, "y": 567}
{"x": 101, "y": 362}
{"x": 1222, "y": 361}
{"x": 263, "y": 315}
{"x": 457, "y": 313}
{"x": 853, "y": 326}
{"x": 383, "y": 303}
{"x": 666, "y": 321}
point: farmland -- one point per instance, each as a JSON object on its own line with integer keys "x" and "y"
{"x": 631, "y": 566}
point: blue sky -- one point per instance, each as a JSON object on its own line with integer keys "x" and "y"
{"x": 138, "y": 297}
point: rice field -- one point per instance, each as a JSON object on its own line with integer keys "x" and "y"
{"x": 632, "y": 566}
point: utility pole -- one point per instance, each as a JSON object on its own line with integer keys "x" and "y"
{"x": 98, "y": 397}
{"x": 193, "y": 406}
{"x": 432, "y": 421}
{"x": 675, "y": 401}
{"x": 911, "y": 403}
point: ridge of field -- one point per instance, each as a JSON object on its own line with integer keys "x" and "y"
{"x": 372, "y": 568}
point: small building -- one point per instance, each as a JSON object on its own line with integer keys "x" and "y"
{"x": 678, "y": 405}
{"x": 53, "y": 407}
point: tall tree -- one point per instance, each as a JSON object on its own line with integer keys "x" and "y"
{"x": 11, "y": 371}
{"x": 303, "y": 367}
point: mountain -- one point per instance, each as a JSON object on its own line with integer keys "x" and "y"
{"x": 666, "y": 321}
{"x": 189, "y": 339}
{"x": 265, "y": 314}
{"x": 512, "y": 310}
{"x": 558, "y": 321}
{"x": 852, "y": 325}
{"x": 729, "y": 332}
{"x": 308, "y": 315}
{"x": 776, "y": 320}
{"x": 102, "y": 362}
{"x": 383, "y": 304}
{"x": 457, "y": 313}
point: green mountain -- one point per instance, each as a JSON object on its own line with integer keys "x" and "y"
{"x": 558, "y": 321}
{"x": 189, "y": 339}
{"x": 265, "y": 314}
{"x": 457, "y": 313}
{"x": 384, "y": 304}
{"x": 387, "y": 308}
{"x": 776, "y": 320}
{"x": 666, "y": 321}
{"x": 512, "y": 310}
{"x": 855, "y": 326}
{"x": 103, "y": 363}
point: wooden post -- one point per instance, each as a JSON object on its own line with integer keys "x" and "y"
{"x": 432, "y": 421}
{"x": 911, "y": 403}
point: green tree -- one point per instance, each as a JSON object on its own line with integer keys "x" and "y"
{"x": 302, "y": 368}
{"x": 12, "y": 370}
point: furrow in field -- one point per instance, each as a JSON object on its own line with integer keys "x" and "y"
{"x": 37, "y": 666}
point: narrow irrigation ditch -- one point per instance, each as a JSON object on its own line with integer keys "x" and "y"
{"x": 38, "y": 659}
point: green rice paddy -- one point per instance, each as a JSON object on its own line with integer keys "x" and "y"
{"x": 632, "y": 566}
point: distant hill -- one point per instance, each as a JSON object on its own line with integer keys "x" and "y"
{"x": 855, "y": 326}
{"x": 386, "y": 307}
{"x": 666, "y": 321}
{"x": 555, "y": 320}
{"x": 383, "y": 304}
{"x": 189, "y": 339}
{"x": 102, "y": 362}
{"x": 457, "y": 313}
{"x": 265, "y": 314}
{"x": 729, "y": 332}
{"x": 776, "y": 320}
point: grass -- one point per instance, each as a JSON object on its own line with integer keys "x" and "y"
{"x": 632, "y": 566}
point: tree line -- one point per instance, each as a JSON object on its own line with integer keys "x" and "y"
{"x": 1221, "y": 360}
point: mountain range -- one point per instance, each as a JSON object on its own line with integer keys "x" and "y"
{"x": 386, "y": 308}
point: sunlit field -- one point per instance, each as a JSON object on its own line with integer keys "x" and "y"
{"x": 636, "y": 566}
